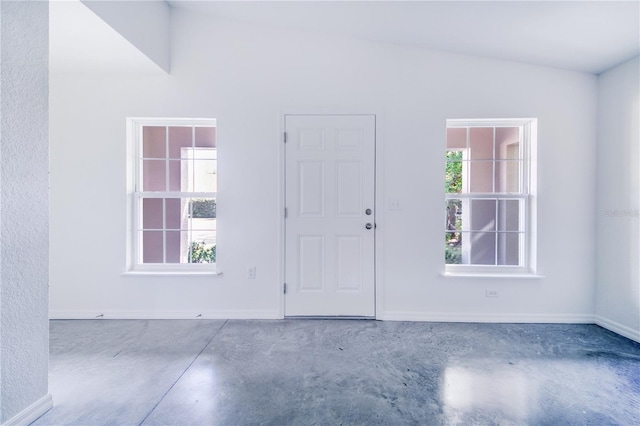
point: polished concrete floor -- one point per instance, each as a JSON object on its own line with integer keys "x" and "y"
{"x": 339, "y": 372}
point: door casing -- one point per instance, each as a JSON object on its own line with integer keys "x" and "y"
{"x": 378, "y": 204}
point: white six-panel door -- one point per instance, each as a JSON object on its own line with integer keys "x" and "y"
{"x": 330, "y": 223}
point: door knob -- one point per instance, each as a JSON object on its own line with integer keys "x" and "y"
{"x": 368, "y": 226}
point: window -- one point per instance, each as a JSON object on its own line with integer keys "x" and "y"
{"x": 489, "y": 178}
{"x": 172, "y": 189}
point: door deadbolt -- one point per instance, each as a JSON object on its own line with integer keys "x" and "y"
{"x": 367, "y": 212}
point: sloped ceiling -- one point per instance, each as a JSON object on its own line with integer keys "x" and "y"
{"x": 146, "y": 24}
{"x": 80, "y": 41}
{"x": 585, "y": 36}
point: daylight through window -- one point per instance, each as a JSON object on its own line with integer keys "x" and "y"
{"x": 174, "y": 201}
{"x": 487, "y": 194}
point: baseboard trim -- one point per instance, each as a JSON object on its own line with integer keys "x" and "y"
{"x": 32, "y": 412}
{"x": 487, "y": 318}
{"x": 618, "y": 328}
{"x": 611, "y": 325}
{"x": 230, "y": 314}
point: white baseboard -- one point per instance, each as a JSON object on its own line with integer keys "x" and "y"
{"x": 486, "y": 318}
{"x": 31, "y": 413}
{"x": 230, "y": 314}
{"x": 618, "y": 328}
{"x": 385, "y": 316}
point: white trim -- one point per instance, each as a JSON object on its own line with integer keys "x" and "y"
{"x": 379, "y": 200}
{"x": 135, "y": 195}
{"x": 618, "y": 328}
{"x": 380, "y": 205}
{"x": 493, "y": 274}
{"x": 485, "y": 196}
{"x": 282, "y": 205}
{"x": 165, "y": 272}
{"x": 384, "y": 316}
{"x": 495, "y": 122}
{"x": 175, "y": 194}
{"x": 528, "y": 191}
{"x": 32, "y": 412}
{"x": 158, "y": 314}
{"x": 487, "y": 318}
{"x": 174, "y": 122}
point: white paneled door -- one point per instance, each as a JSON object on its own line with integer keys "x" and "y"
{"x": 330, "y": 217}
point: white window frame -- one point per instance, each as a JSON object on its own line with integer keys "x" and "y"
{"x": 528, "y": 220}
{"x": 135, "y": 194}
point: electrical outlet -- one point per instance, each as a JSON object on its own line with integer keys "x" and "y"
{"x": 251, "y": 272}
{"x": 491, "y": 293}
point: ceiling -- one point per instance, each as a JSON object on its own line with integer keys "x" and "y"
{"x": 79, "y": 41}
{"x": 586, "y": 36}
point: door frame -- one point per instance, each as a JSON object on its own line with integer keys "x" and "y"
{"x": 379, "y": 204}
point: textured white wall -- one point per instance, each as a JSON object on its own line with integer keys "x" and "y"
{"x": 618, "y": 235}
{"x": 245, "y": 76}
{"x": 24, "y": 206}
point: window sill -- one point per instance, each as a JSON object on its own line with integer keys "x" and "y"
{"x": 158, "y": 273}
{"x": 506, "y": 275}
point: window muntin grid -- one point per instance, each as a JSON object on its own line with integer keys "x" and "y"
{"x": 487, "y": 200}
{"x": 174, "y": 197}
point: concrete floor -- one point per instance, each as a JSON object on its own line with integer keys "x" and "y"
{"x": 339, "y": 372}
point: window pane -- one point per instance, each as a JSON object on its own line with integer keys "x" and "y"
{"x": 179, "y": 138}
{"x": 205, "y": 137}
{"x": 453, "y": 172}
{"x": 176, "y": 213}
{"x": 203, "y": 251}
{"x": 509, "y": 248}
{"x": 483, "y": 215}
{"x": 202, "y": 226}
{"x": 205, "y": 176}
{"x": 483, "y": 248}
{"x": 186, "y": 174}
{"x": 204, "y": 153}
{"x": 453, "y": 240}
{"x": 457, "y": 248}
{"x": 154, "y": 142}
{"x": 152, "y": 249}
{"x": 453, "y": 248}
{"x": 177, "y": 179}
{"x": 508, "y": 176}
{"x": 174, "y": 245}
{"x": 481, "y": 143}
{"x": 508, "y": 143}
{"x": 204, "y": 208}
{"x": 453, "y": 215}
{"x": 481, "y": 176}
{"x": 152, "y": 213}
{"x": 154, "y": 175}
{"x": 456, "y": 138}
{"x": 509, "y": 215}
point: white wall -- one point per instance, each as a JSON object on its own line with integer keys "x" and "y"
{"x": 245, "y": 76}
{"x": 24, "y": 210}
{"x": 618, "y": 230}
{"x": 146, "y": 24}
